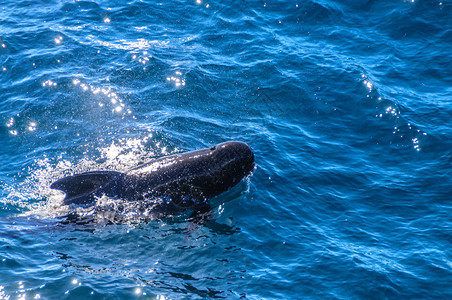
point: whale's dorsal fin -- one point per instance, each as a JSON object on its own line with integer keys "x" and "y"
{"x": 78, "y": 186}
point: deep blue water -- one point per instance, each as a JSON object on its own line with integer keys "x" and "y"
{"x": 346, "y": 104}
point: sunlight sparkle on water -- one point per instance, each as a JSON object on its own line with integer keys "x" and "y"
{"x": 131, "y": 45}
{"x": 368, "y": 84}
{"x": 58, "y": 40}
{"x": 394, "y": 112}
{"x": 107, "y": 92}
{"x": 49, "y": 83}
{"x": 176, "y": 80}
{"x": 32, "y": 126}
{"x": 10, "y": 122}
{"x": 143, "y": 60}
{"x": 76, "y": 282}
{"x": 391, "y": 110}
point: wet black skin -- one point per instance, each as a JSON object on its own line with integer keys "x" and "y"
{"x": 180, "y": 181}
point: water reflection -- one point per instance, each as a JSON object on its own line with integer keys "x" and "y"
{"x": 176, "y": 79}
{"x": 403, "y": 130}
{"x": 114, "y": 99}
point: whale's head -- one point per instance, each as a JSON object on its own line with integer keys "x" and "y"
{"x": 235, "y": 158}
{"x": 227, "y": 163}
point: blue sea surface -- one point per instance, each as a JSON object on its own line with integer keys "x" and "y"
{"x": 346, "y": 104}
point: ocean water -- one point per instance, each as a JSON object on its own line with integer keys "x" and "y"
{"x": 346, "y": 104}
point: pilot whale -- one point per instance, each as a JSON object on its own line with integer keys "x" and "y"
{"x": 180, "y": 181}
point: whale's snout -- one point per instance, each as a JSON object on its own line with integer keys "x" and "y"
{"x": 238, "y": 156}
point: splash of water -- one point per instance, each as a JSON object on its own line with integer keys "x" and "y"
{"x": 33, "y": 196}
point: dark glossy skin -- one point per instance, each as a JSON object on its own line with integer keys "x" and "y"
{"x": 182, "y": 181}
